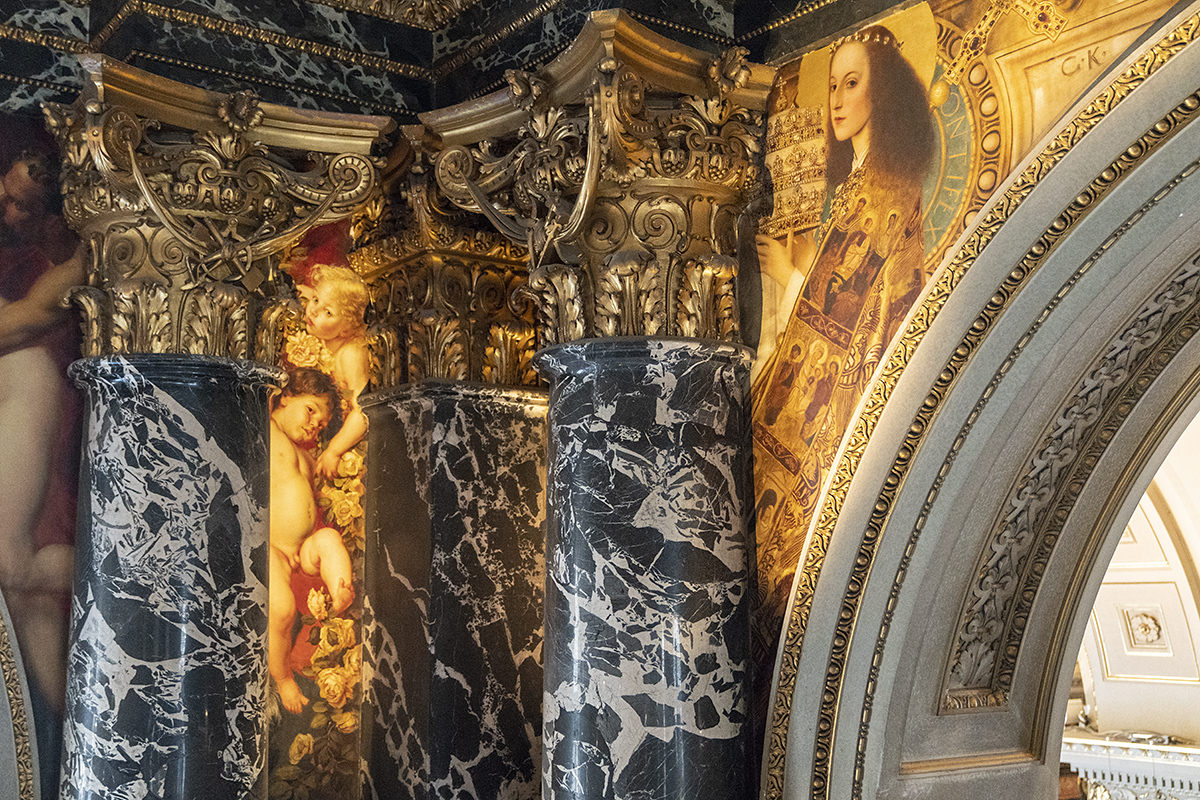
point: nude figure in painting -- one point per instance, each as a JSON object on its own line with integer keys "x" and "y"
{"x": 40, "y": 259}
{"x": 308, "y": 403}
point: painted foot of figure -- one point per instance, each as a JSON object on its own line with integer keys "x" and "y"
{"x": 291, "y": 697}
{"x": 341, "y": 596}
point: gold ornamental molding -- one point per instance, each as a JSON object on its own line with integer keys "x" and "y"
{"x": 179, "y": 104}
{"x": 429, "y": 15}
{"x": 67, "y": 44}
{"x": 464, "y": 56}
{"x": 185, "y": 199}
{"x": 11, "y": 672}
{"x": 654, "y": 58}
{"x": 218, "y": 25}
{"x": 1070, "y": 135}
{"x": 260, "y": 80}
{"x": 994, "y": 615}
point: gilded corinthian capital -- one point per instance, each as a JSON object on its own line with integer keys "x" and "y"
{"x": 448, "y": 290}
{"x": 185, "y": 198}
{"x": 622, "y": 167}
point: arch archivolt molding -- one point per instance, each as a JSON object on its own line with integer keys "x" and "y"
{"x": 980, "y": 670}
{"x": 979, "y": 673}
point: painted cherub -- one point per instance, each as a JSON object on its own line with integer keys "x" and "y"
{"x": 334, "y": 314}
{"x": 306, "y": 406}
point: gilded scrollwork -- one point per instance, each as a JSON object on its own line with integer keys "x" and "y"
{"x": 615, "y": 195}
{"x": 184, "y": 227}
{"x": 447, "y": 293}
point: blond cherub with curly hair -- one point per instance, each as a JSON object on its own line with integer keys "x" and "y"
{"x": 334, "y": 313}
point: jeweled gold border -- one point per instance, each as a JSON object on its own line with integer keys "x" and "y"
{"x": 282, "y": 40}
{"x": 65, "y": 43}
{"x": 22, "y": 729}
{"x": 1150, "y": 62}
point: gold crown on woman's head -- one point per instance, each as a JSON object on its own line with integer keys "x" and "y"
{"x": 876, "y": 34}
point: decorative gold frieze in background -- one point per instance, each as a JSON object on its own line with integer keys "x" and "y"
{"x": 428, "y": 14}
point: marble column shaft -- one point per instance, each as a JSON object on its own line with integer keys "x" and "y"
{"x": 453, "y": 592}
{"x": 167, "y": 673}
{"x": 648, "y": 556}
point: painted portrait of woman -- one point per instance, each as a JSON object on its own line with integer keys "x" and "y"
{"x": 859, "y": 265}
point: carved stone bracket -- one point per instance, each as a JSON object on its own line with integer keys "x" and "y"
{"x": 185, "y": 213}
{"x": 623, "y": 179}
{"x": 447, "y": 290}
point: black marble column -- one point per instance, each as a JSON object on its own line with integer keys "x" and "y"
{"x": 648, "y": 571}
{"x": 455, "y": 506}
{"x": 167, "y": 674}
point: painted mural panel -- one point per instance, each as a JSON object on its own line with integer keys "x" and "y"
{"x": 882, "y": 147}
{"x": 39, "y": 420}
{"x": 318, "y": 451}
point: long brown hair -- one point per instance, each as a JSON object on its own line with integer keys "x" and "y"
{"x": 902, "y": 132}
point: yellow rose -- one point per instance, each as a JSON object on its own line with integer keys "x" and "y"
{"x": 334, "y": 687}
{"x": 344, "y": 506}
{"x": 305, "y": 350}
{"x": 352, "y": 661}
{"x": 338, "y": 632}
{"x": 346, "y": 721}
{"x": 318, "y": 604}
{"x": 351, "y": 464}
{"x": 302, "y": 745}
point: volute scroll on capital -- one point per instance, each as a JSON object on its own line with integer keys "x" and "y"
{"x": 185, "y": 218}
{"x": 626, "y": 193}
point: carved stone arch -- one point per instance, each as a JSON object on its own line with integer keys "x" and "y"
{"x": 976, "y": 502}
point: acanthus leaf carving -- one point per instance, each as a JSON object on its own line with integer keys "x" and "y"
{"x": 508, "y": 358}
{"x": 276, "y": 317}
{"x": 388, "y": 360}
{"x": 437, "y": 347}
{"x": 556, "y": 289}
{"x": 707, "y": 308}
{"x": 628, "y": 168}
{"x": 141, "y": 318}
{"x": 629, "y": 296}
{"x": 94, "y": 313}
{"x": 215, "y": 320}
